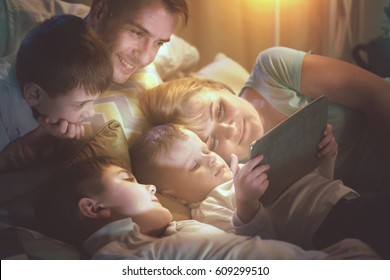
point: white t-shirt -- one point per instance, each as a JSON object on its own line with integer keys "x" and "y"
{"x": 294, "y": 217}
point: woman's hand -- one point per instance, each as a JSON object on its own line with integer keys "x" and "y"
{"x": 328, "y": 146}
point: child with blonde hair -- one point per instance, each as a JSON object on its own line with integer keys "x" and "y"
{"x": 313, "y": 212}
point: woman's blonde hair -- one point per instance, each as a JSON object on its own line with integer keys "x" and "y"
{"x": 170, "y": 103}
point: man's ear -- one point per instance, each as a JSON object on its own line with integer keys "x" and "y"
{"x": 171, "y": 194}
{"x": 98, "y": 8}
{"x": 32, "y": 94}
{"x": 92, "y": 209}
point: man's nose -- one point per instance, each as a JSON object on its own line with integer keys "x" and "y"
{"x": 145, "y": 54}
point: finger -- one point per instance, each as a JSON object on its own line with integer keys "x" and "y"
{"x": 328, "y": 129}
{"x": 325, "y": 141}
{"x": 255, "y": 161}
{"x": 82, "y": 131}
{"x": 71, "y": 131}
{"x": 234, "y": 164}
{"x": 62, "y": 126}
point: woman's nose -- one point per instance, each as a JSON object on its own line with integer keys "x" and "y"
{"x": 145, "y": 54}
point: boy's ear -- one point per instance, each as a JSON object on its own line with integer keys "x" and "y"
{"x": 32, "y": 94}
{"x": 90, "y": 208}
{"x": 171, "y": 194}
{"x": 97, "y": 11}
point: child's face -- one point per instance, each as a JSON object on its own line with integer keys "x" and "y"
{"x": 127, "y": 198}
{"x": 135, "y": 38}
{"x": 232, "y": 125}
{"x": 74, "y": 106}
{"x": 191, "y": 170}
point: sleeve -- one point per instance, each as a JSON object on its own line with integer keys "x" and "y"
{"x": 214, "y": 214}
{"x": 5, "y": 88}
{"x": 260, "y": 225}
{"x": 276, "y": 76}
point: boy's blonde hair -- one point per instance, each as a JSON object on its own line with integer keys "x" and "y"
{"x": 148, "y": 147}
{"x": 170, "y": 102}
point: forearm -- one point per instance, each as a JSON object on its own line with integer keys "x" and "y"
{"x": 39, "y": 138}
{"x": 344, "y": 83}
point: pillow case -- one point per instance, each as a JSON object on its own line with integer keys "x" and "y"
{"x": 176, "y": 59}
{"x": 120, "y": 102}
{"x": 225, "y": 70}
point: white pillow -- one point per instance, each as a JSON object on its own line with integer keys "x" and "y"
{"x": 176, "y": 59}
{"x": 225, "y": 70}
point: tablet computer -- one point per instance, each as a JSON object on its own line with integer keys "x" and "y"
{"x": 290, "y": 148}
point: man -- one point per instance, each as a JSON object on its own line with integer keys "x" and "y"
{"x": 133, "y": 30}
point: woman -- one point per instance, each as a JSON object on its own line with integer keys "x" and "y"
{"x": 282, "y": 81}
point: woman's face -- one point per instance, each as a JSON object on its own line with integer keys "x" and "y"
{"x": 232, "y": 123}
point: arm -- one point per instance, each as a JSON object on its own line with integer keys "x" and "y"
{"x": 352, "y": 86}
{"x": 25, "y": 150}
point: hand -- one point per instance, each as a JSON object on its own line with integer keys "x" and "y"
{"x": 250, "y": 183}
{"x": 18, "y": 153}
{"x": 328, "y": 146}
{"x": 62, "y": 128}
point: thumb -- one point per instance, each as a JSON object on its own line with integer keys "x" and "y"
{"x": 234, "y": 164}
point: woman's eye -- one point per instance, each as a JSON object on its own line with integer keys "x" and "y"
{"x": 220, "y": 112}
{"x": 213, "y": 144}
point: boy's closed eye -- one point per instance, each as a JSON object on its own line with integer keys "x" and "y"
{"x": 195, "y": 166}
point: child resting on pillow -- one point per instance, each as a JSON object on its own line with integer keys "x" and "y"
{"x": 181, "y": 166}
{"x": 99, "y": 205}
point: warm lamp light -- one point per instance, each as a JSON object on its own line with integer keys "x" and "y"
{"x": 276, "y": 22}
